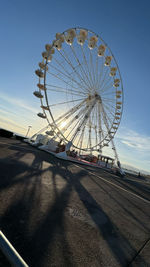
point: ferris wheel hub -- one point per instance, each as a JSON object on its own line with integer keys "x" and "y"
{"x": 97, "y": 96}
{"x": 94, "y": 96}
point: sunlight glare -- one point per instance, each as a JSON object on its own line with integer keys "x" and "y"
{"x": 63, "y": 124}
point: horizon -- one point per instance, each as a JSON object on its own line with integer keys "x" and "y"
{"x": 124, "y": 165}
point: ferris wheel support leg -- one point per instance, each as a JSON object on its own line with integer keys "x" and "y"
{"x": 112, "y": 142}
{"x": 117, "y": 159}
{"x": 115, "y": 152}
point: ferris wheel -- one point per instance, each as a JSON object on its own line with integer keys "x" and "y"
{"x": 80, "y": 90}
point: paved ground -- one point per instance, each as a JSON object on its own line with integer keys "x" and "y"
{"x": 57, "y": 213}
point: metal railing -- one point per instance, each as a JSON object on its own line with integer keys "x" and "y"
{"x": 9, "y": 251}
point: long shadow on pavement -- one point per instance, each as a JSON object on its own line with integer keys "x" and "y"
{"x": 33, "y": 229}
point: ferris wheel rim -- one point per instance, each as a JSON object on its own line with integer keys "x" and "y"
{"x": 46, "y": 97}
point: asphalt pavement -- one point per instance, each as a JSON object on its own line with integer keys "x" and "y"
{"x": 57, "y": 213}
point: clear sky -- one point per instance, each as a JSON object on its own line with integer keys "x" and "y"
{"x": 27, "y": 25}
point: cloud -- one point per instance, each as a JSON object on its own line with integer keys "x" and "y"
{"x": 7, "y": 122}
{"x": 135, "y": 140}
{"x": 129, "y": 144}
{"x": 17, "y": 102}
{"x": 5, "y": 112}
{"x": 16, "y": 114}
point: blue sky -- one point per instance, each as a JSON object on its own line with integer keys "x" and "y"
{"x": 26, "y": 26}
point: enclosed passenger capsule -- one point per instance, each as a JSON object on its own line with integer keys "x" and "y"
{"x": 101, "y": 50}
{"x": 108, "y": 60}
{"x": 38, "y": 94}
{"x": 92, "y": 42}
{"x": 45, "y": 107}
{"x": 39, "y": 73}
{"x": 41, "y": 115}
{"x": 41, "y": 86}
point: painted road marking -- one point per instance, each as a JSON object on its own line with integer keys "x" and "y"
{"x": 109, "y": 182}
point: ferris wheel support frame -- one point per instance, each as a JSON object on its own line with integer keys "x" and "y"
{"x": 95, "y": 108}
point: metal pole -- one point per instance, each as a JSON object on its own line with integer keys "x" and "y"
{"x": 10, "y": 252}
{"x": 29, "y": 127}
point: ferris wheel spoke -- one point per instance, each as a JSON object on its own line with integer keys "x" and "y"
{"x": 101, "y": 71}
{"x": 111, "y": 117}
{"x": 56, "y": 76}
{"x": 81, "y": 67}
{"x": 93, "y": 122}
{"x": 92, "y": 68}
{"x": 85, "y": 69}
{"x": 76, "y": 132}
{"x": 74, "y": 72}
{"x": 108, "y": 93}
{"x": 81, "y": 139}
{"x": 104, "y": 77}
{"x": 96, "y": 125}
{"x": 110, "y": 106}
{"x": 74, "y": 69}
{"x": 65, "y": 57}
{"x": 92, "y": 116}
{"x": 106, "y": 88}
{"x": 89, "y": 143}
{"x": 99, "y": 123}
{"x": 83, "y": 132}
{"x": 88, "y": 70}
{"x": 101, "y": 133}
{"x": 84, "y": 121}
{"x": 63, "y": 67}
{"x": 107, "y": 83}
{"x": 66, "y": 90}
{"x": 110, "y": 112}
{"x": 109, "y": 102}
{"x": 80, "y": 136}
{"x": 113, "y": 100}
{"x": 66, "y": 102}
{"x": 108, "y": 117}
{"x": 85, "y": 118}
{"x": 78, "y": 116}
{"x": 66, "y": 118}
{"x": 66, "y": 76}
{"x": 106, "y": 121}
{"x": 96, "y": 140}
{"x": 96, "y": 72}
{"x": 88, "y": 134}
{"x": 75, "y": 128}
{"x": 95, "y": 128}
{"x": 70, "y": 112}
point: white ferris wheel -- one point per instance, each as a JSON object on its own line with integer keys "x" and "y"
{"x": 80, "y": 90}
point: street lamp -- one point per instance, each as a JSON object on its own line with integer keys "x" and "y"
{"x": 29, "y": 127}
